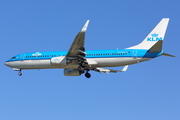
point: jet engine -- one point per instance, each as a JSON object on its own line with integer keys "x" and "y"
{"x": 71, "y": 72}
{"x": 58, "y": 61}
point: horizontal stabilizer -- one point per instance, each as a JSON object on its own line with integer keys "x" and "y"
{"x": 165, "y": 54}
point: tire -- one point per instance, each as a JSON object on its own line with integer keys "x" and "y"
{"x": 19, "y": 73}
{"x": 88, "y": 75}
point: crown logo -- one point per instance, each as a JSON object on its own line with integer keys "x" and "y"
{"x": 56, "y": 59}
{"x": 36, "y": 54}
{"x": 154, "y": 35}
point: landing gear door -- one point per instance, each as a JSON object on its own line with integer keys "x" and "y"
{"x": 134, "y": 54}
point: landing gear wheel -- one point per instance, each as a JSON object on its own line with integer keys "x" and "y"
{"x": 20, "y": 73}
{"x": 88, "y": 75}
{"x": 80, "y": 69}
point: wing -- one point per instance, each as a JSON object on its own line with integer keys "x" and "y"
{"x": 77, "y": 48}
{"x": 101, "y": 70}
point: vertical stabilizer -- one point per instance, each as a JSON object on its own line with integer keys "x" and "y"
{"x": 157, "y": 34}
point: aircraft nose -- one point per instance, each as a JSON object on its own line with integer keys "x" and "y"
{"x": 7, "y": 64}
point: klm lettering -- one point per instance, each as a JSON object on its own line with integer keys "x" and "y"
{"x": 154, "y": 39}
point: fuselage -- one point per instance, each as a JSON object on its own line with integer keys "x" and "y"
{"x": 103, "y": 58}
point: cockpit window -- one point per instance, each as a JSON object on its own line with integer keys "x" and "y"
{"x": 13, "y": 57}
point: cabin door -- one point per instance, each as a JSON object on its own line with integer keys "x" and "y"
{"x": 22, "y": 57}
{"x": 134, "y": 54}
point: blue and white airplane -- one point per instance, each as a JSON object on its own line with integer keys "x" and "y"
{"x": 77, "y": 60}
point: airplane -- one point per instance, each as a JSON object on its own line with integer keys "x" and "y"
{"x": 77, "y": 61}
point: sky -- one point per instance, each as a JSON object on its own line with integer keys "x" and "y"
{"x": 146, "y": 91}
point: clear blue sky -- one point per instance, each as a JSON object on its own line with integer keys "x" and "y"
{"x": 147, "y": 91}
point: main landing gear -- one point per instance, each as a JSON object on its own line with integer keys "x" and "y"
{"x": 87, "y": 74}
{"x": 81, "y": 70}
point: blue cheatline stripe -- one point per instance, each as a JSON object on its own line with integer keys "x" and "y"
{"x": 90, "y": 54}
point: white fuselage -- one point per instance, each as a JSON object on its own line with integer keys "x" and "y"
{"x": 101, "y": 62}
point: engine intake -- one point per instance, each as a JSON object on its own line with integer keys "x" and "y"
{"x": 58, "y": 61}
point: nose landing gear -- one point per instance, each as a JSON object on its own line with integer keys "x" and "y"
{"x": 19, "y": 73}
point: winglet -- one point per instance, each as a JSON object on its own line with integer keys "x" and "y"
{"x": 85, "y": 26}
{"x": 125, "y": 68}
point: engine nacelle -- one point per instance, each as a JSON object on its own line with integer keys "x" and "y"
{"x": 58, "y": 61}
{"x": 71, "y": 72}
